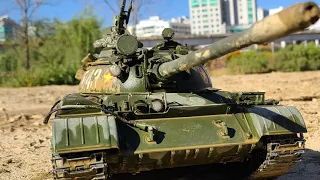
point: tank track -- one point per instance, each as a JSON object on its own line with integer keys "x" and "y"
{"x": 92, "y": 166}
{"x": 282, "y": 155}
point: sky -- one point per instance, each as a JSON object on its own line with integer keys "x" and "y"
{"x": 166, "y": 9}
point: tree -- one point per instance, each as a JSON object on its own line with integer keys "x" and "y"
{"x": 56, "y": 51}
{"x": 28, "y": 9}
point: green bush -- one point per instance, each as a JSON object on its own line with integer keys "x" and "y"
{"x": 39, "y": 77}
{"x": 298, "y": 58}
{"x": 9, "y": 61}
{"x": 291, "y": 58}
{"x": 250, "y": 62}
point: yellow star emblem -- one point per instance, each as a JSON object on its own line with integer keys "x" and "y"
{"x": 107, "y": 77}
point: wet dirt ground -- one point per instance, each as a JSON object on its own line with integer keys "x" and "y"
{"x": 25, "y": 141}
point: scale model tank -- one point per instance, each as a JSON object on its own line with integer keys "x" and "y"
{"x": 142, "y": 109}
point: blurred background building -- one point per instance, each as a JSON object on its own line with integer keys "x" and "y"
{"x": 315, "y": 27}
{"x": 275, "y": 10}
{"x": 262, "y": 13}
{"x": 246, "y": 10}
{"x": 221, "y": 16}
{"x": 155, "y": 25}
{"x": 206, "y": 16}
{"x": 8, "y": 29}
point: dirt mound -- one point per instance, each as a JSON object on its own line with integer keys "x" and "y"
{"x": 25, "y": 141}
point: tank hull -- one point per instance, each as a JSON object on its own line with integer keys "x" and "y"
{"x": 202, "y": 132}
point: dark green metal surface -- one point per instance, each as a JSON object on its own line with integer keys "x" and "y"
{"x": 78, "y": 134}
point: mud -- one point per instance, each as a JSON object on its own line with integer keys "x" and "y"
{"x": 25, "y": 142}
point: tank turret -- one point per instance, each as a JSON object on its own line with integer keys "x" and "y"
{"x": 124, "y": 66}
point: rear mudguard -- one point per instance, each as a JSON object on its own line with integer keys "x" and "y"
{"x": 179, "y": 141}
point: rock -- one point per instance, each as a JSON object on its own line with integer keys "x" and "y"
{"x": 6, "y": 114}
{"x": 9, "y": 161}
{"x": 37, "y": 147}
{"x": 37, "y": 116}
{"x": 12, "y": 119}
{"x": 26, "y": 117}
{"x": 12, "y": 129}
{"x": 19, "y": 117}
{"x": 41, "y": 141}
{"x": 37, "y": 124}
{"x": 33, "y": 143}
{"x": 19, "y": 165}
{"x": 3, "y": 170}
{"x": 311, "y": 112}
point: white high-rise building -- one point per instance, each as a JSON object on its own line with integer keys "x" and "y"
{"x": 206, "y": 16}
{"x": 247, "y": 11}
{"x": 155, "y": 25}
{"x": 221, "y": 16}
{"x": 262, "y": 13}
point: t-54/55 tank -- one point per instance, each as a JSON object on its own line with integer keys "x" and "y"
{"x": 142, "y": 109}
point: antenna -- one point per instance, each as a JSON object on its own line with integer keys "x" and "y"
{"x": 107, "y": 2}
{"x": 123, "y": 4}
{"x": 129, "y": 11}
{"x": 121, "y": 17}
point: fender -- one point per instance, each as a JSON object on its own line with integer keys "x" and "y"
{"x": 275, "y": 120}
{"x": 79, "y": 134}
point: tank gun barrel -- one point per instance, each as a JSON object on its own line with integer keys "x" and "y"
{"x": 290, "y": 20}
